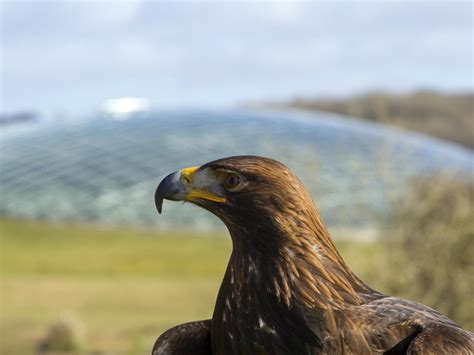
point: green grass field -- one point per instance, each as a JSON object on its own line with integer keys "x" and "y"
{"x": 125, "y": 286}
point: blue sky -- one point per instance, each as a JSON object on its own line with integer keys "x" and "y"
{"x": 70, "y": 55}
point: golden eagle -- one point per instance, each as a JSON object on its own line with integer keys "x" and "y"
{"x": 286, "y": 289}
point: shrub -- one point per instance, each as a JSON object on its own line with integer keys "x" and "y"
{"x": 64, "y": 335}
{"x": 430, "y": 240}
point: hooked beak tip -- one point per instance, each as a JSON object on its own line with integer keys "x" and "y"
{"x": 159, "y": 207}
{"x": 167, "y": 189}
{"x": 158, "y": 201}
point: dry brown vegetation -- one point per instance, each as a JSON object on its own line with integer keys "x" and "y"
{"x": 445, "y": 116}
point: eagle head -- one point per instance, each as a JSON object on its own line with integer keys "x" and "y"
{"x": 245, "y": 192}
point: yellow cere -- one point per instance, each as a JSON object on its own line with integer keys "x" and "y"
{"x": 187, "y": 174}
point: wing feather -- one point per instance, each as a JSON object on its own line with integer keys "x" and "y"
{"x": 187, "y": 338}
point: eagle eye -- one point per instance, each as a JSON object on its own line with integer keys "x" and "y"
{"x": 232, "y": 181}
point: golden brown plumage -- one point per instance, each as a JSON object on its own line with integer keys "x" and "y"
{"x": 286, "y": 289}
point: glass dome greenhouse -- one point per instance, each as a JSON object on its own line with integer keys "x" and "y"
{"x": 106, "y": 171}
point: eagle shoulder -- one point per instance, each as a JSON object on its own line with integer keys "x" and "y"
{"x": 187, "y": 338}
{"x": 396, "y": 325}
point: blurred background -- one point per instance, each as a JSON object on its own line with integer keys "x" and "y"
{"x": 370, "y": 103}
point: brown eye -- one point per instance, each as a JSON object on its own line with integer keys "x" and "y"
{"x": 232, "y": 181}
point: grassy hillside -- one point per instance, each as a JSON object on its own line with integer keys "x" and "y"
{"x": 449, "y": 117}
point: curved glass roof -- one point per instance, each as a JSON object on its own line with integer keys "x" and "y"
{"x": 106, "y": 171}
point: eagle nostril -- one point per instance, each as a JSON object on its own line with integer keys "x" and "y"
{"x": 186, "y": 179}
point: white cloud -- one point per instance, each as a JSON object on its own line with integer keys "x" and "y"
{"x": 287, "y": 12}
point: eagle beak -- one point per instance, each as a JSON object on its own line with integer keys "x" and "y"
{"x": 179, "y": 186}
{"x": 170, "y": 188}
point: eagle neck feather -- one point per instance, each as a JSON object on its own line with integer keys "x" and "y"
{"x": 266, "y": 293}
{"x": 303, "y": 267}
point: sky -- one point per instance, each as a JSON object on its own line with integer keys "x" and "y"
{"x": 73, "y": 55}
